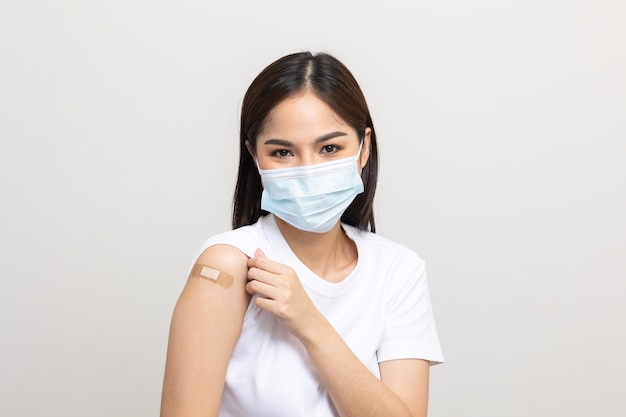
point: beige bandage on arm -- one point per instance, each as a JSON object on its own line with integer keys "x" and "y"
{"x": 211, "y": 274}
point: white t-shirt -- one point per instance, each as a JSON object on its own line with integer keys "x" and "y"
{"x": 382, "y": 311}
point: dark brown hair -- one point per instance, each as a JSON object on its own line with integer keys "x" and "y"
{"x": 332, "y": 82}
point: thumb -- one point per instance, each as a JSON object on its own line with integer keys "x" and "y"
{"x": 259, "y": 253}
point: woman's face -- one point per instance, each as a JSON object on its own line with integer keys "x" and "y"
{"x": 303, "y": 130}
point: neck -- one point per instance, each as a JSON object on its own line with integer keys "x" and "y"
{"x": 331, "y": 255}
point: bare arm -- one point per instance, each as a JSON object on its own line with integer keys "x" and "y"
{"x": 206, "y": 324}
{"x": 409, "y": 380}
{"x": 355, "y": 391}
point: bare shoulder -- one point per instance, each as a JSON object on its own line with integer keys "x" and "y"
{"x": 220, "y": 272}
{"x": 225, "y": 258}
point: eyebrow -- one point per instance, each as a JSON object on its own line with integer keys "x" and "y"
{"x": 286, "y": 143}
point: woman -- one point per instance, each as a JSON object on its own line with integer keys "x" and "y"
{"x": 302, "y": 310}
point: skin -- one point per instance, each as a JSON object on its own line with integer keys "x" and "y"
{"x": 207, "y": 320}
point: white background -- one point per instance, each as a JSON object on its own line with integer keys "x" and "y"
{"x": 502, "y": 128}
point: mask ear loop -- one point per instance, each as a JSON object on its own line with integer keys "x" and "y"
{"x": 258, "y": 169}
{"x": 256, "y": 162}
{"x": 253, "y": 155}
{"x": 357, "y": 157}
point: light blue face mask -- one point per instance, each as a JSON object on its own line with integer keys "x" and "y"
{"x": 312, "y": 197}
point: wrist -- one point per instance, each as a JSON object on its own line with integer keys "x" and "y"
{"x": 315, "y": 330}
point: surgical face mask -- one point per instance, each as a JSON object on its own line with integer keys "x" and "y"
{"x": 312, "y": 197}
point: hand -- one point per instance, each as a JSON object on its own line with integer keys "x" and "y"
{"x": 280, "y": 293}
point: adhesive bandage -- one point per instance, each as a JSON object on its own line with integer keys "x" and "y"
{"x": 211, "y": 274}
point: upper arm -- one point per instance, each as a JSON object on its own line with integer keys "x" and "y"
{"x": 206, "y": 324}
{"x": 408, "y": 379}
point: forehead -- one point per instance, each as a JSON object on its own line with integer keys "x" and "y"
{"x": 302, "y": 114}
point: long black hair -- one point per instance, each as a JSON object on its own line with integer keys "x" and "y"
{"x": 330, "y": 80}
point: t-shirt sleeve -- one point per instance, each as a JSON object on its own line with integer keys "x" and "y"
{"x": 244, "y": 239}
{"x": 410, "y": 331}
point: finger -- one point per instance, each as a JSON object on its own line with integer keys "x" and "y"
{"x": 275, "y": 308}
{"x": 262, "y": 275}
{"x": 250, "y": 288}
{"x": 255, "y": 261}
{"x": 266, "y": 304}
{"x": 258, "y": 256}
{"x": 268, "y": 265}
{"x": 262, "y": 289}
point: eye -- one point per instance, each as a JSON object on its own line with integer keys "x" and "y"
{"x": 330, "y": 149}
{"x": 281, "y": 153}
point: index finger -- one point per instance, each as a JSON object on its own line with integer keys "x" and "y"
{"x": 266, "y": 264}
